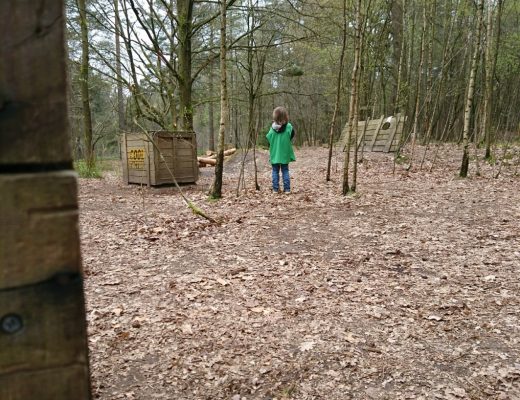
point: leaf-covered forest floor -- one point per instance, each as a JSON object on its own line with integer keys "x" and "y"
{"x": 408, "y": 290}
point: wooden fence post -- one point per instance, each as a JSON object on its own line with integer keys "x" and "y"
{"x": 43, "y": 343}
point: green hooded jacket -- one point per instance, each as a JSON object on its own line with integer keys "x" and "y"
{"x": 280, "y": 146}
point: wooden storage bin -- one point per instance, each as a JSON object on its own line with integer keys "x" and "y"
{"x": 142, "y": 161}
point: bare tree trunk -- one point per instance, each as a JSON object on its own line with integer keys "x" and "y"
{"x": 397, "y": 96}
{"x": 410, "y": 56}
{"x": 185, "y": 17}
{"x": 427, "y": 116}
{"x": 338, "y": 89}
{"x": 415, "y": 127}
{"x": 120, "y": 99}
{"x": 491, "y": 60}
{"x": 172, "y": 78}
{"x": 84, "y": 83}
{"x": 448, "y": 25}
{"x": 359, "y": 51}
{"x": 211, "y": 106}
{"x": 354, "y": 84}
{"x": 219, "y": 168}
{"x": 471, "y": 89}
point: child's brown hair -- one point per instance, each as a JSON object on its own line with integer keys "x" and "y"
{"x": 280, "y": 115}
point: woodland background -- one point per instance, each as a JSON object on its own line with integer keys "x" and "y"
{"x": 156, "y": 63}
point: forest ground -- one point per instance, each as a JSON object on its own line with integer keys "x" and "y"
{"x": 408, "y": 290}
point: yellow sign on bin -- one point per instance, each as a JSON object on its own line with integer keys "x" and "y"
{"x": 136, "y": 158}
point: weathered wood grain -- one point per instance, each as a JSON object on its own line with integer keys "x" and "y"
{"x": 39, "y": 219}
{"x": 49, "y": 336}
{"x": 43, "y": 346}
{"x": 33, "y": 126}
{"x": 392, "y": 134}
{"x": 72, "y": 384}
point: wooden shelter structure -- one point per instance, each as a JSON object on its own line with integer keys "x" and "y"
{"x": 43, "y": 339}
{"x": 152, "y": 158}
{"x": 379, "y": 135}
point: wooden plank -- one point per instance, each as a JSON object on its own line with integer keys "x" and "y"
{"x": 136, "y": 140}
{"x": 392, "y": 135}
{"x": 165, "y": 144}
{"x": 149, "y": 152}
{"x": 124, "y": 157}
{"x": 163, "y": 172}
{"x": 40, "y": 308}
{"x": 43, "y": 342}
{"x": 186, "y": 161}
{"x": 14, "y": 386}
{"x": 184, "y": 153}
{"x": 32, "y": 83}
{"x": 380, "y": 123}
{"x": 373, "y": 125}
{"x": 138, "y": 174}
{"x": 362, "y": 136}
{"x": 151, "y": 164}
{"x": 382, "y": 141}
{"x": 39, "y": 236}
{"x": 371, "y": 129}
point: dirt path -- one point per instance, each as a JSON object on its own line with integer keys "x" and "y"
{"x": 408, "y": 291}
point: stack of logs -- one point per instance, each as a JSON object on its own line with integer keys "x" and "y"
{"x": 210, "y": 159}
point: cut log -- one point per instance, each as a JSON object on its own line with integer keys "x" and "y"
{"x": 230, "y": 151}
{"x": 208, "y": 161}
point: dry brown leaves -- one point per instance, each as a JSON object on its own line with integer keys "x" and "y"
{"x": 409, "y": 290}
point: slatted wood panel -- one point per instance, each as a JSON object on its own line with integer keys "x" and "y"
{"x": 379, "y": 135}
{"x": 43, "y": 347}
{"x": 174, "y": 152}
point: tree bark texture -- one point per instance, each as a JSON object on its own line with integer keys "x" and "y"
{"x": 492, "y": 45}
{"x": 471, "y": 90}
{"x": 185, "y": 17}
{"x": 354, "y": 95}
{"x": 224, "y": 110}
{"x": 415, "y": 127}
{"x": 338, "y": 89}
{"x": 120, "y": 98}
{"x": 84, "y": 82}
{"x": 211, "y": 105}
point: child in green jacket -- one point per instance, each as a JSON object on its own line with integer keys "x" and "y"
{"x": 281, "y": 152}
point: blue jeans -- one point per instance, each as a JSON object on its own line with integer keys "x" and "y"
{"x": 285, "y": 176}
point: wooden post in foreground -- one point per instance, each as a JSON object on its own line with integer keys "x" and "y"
{"x": 43, "y": 346}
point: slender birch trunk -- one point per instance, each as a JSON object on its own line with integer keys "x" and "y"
{"x": 185, "y": 31}
{"x": 353, "y": 99}
{"x": 120, "y": 98}
{"x": 415, "y": 126}
{"x": 397, "y": 104}
{"x": 224, "y": 110}
{"x": 491, "y": 60}
{"x": 211, "y": 106}
{"x": 427, "y": 115}
{"x": 338, "y": 89}
{"x": 471, "y": 89}
{"x": 359, "y": 51}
